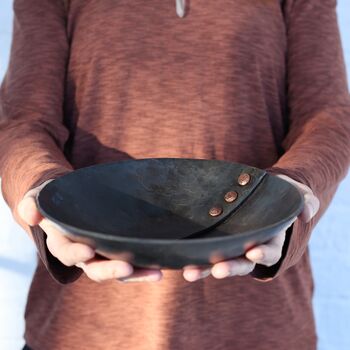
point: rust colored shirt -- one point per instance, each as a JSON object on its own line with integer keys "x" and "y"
{"x": 258, "y": 82}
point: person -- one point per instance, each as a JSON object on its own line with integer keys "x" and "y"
{"x": 256, "y": 82}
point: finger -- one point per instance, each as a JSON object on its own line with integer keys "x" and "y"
{"x": 311, "y": 207}
{"x": 267, "y": 254}
{"x": 103, "y": 270}
{"x": 192, "y": 273}
{"x": 235, "y": 267}
{"x": 68, "y": 252}
{"x": 143, "y": 275}
{"x": 27, "y": 208}
{"x": 28, "y": 211}
{"x": 311, "y": 202}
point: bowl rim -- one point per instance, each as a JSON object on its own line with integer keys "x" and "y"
{"x": 71, "y": 230}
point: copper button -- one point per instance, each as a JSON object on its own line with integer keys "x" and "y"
{"x": 215, "y": 211}
{"x": 231, "y": 196}
{"x": 244, "y": 179}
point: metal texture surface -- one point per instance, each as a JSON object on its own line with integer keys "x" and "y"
{"x": 159, "y": 212}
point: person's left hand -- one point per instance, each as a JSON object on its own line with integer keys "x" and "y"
{"x": 266, "y": 254}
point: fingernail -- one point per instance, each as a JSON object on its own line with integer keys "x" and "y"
{"x": 87, "y": 254}
{"x": 255, "y": 255}
{"x": 193, "y": 276}
{"x": 220, "y": 273}
{"x": 124, "y": 273}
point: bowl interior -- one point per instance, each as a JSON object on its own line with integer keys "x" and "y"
{"x": 160, "y": 198}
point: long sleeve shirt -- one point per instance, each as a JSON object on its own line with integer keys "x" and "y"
{"x": 256, "y": 82}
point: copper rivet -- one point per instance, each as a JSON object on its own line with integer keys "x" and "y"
{"x": 243, "y": 179}
{"x": 231, "y": 196}
{"x": 215, "y": 211}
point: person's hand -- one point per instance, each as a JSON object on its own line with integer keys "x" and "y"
{"x": 71, "y": 253}
{"x": 266, "y": 254}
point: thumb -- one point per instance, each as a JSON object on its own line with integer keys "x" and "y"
{"x": 311, "y": 207}
{"x": 27, "y": 208}
{"x": 28, "y": 211}
{"x": 311, "y": 202}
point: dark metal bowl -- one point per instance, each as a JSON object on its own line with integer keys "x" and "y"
{"x": 170, "y": 212}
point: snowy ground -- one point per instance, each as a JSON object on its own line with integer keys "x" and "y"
{"x": 329, "y": 245}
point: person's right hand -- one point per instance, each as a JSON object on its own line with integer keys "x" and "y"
{"x": 72, "y": 253}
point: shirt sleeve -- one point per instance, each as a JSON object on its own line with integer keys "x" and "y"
{"x": 32, "y": 131}
{"x": 317, "y": 144}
